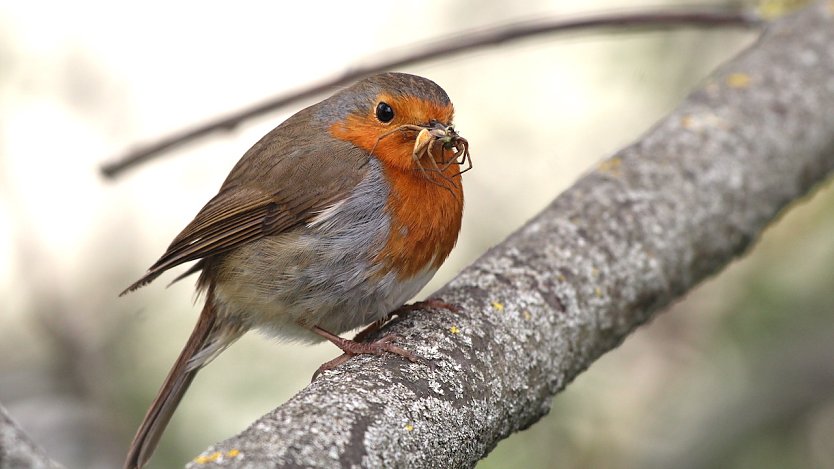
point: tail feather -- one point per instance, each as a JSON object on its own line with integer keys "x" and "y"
{"x": 207, "y": 340}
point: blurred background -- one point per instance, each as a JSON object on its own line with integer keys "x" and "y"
{"x": 740, "y": 374}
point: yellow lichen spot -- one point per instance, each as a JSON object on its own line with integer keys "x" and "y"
{"x": 594, "y": 271}
{"x": 738, "y": 80}
{"x": 409, "y": 427}
{"x": 527, "y": 315}
{"x": 598, "y": 292}
{"x": 232, "y": 453}
{"x": 687, "y": 122}
{"x": 610, "y": 166}
{"x": 207, "y": 459}
{"x": 454, "y": 330}
{"x": 560, "y": 277}
{"x": 498, "y": 306}
{"x": 772, "y": 9}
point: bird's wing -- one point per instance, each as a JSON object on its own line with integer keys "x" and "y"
{"x": 263, "y": 196}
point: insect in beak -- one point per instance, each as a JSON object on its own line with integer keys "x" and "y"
{"x": 438, "y": 135}
{"x": 426, "y": 143}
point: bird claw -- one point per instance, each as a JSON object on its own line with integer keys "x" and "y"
{"x": 329, "y": 365}
{"x": 357, "y": 346}
{"x": 352, "y": 348}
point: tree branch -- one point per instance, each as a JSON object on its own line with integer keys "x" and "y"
{"x": 17, "y": 450}
{"x": 626, "y": 240}
{"x": 471, "y": 40}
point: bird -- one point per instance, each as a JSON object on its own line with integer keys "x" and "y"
{"x": 331, "y": 221}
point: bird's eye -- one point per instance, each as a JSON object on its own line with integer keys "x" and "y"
{"x": 384, "y": 112}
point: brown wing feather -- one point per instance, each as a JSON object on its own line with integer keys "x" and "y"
{"x": 272, "y": 189}
{"x": 211, "y": 234}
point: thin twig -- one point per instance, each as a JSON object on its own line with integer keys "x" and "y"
{"x": 443, "y": 47}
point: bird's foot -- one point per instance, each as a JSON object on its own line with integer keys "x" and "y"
{"x": 351, "y": 348}
{"x": 358, "y": 346}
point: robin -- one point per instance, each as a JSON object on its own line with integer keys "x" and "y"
{"x": 331, "y": 221}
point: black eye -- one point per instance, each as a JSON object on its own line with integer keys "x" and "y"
{"x": 384, "y": 112}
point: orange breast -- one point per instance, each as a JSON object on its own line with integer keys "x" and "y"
{"x": 425, "y": 221}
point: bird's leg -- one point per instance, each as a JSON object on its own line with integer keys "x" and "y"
{"x": 351, "y": 348}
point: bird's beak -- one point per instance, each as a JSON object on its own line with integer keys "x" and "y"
{"x": 436, "y": 131}
{"x": 438, "y": 127}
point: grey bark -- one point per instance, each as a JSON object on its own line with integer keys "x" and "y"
{"x": 627, "y": 239}
{"x": 17, "y": 451}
